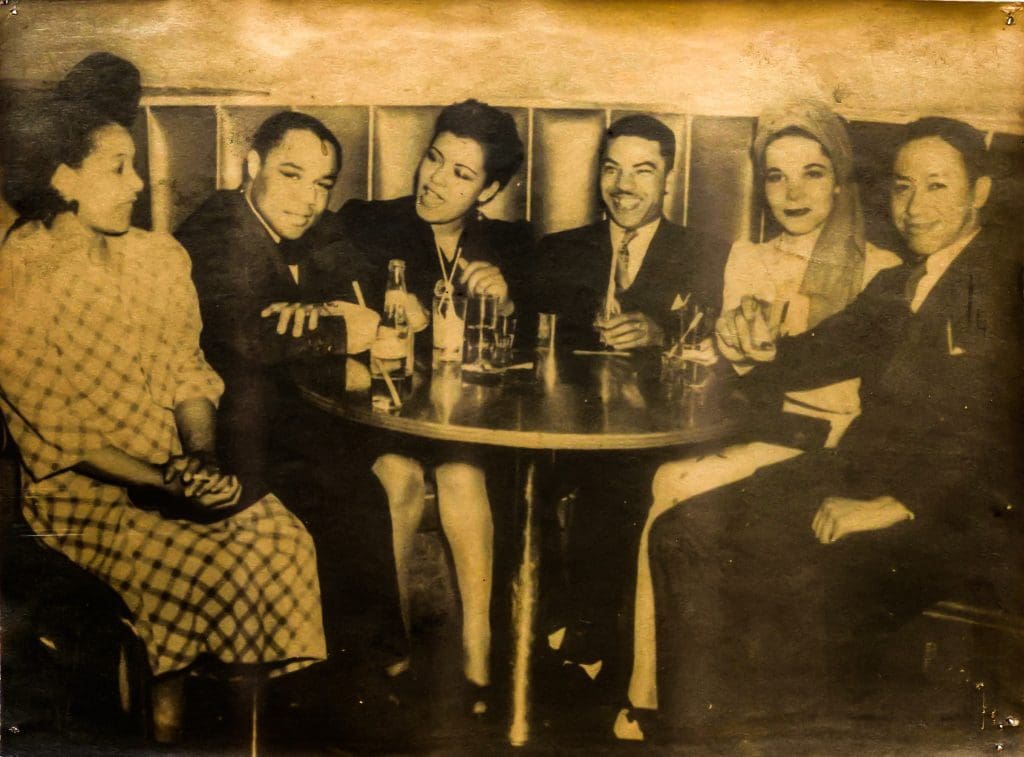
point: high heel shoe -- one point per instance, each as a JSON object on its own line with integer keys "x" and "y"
{"x": 476, "y": 699}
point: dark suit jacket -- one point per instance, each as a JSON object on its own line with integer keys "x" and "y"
{"x": 942, "y": 389}
{"x": 386, "y": 229}
{"x": 238, "y": 270}
{"x": 572, "y": 277}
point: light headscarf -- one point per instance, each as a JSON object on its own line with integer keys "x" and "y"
{"x": 836, "y": 267}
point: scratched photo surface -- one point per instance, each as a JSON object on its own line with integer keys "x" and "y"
{"x": 244, "y": 510}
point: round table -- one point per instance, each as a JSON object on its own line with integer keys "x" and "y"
{"x": 553, "y": 402}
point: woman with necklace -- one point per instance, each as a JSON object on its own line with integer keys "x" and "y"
{"x": 446, "y": 242}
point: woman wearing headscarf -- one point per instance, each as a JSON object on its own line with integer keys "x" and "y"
{"x": 812, "y": 267}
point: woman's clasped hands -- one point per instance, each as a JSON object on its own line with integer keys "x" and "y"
{"x": 198, "y": 478}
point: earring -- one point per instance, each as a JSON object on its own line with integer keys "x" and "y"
{"x": 479, "y": 214}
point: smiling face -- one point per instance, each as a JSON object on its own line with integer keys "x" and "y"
{"x": 799, "y": 183}
{"x": 105, "y": 185}
{"x": 933, "y": 201}
{"x": 291, "y": 186}
{"x": 450, "y": 180}
{"x": 633, "y": 176}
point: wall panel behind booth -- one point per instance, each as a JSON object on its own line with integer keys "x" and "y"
{"x": 351, "y": 125}
{"x": 236, "y": 126}
{"x": 721, "y": 176}
{"x": 565, "y": 144}
{"x": 183, "y": 161}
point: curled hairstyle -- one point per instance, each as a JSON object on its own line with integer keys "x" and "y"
{"x": 964, "y": 138}
{"x": 64, "y": 134}
{"x": 645, "y": 127}
{"x": 492, "y": 129}
{"x": 272, "y": 131}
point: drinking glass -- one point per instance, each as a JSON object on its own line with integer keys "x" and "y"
{"x": 449, "y": 317}
{"x": 481, "y": 321}
{"x": 693, "y": 345}
{"x": 504, "y": 339}
{"x": 388, "y": 379}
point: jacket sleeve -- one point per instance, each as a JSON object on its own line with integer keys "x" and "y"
{"x": 841, "y": 346}
{"x": 231, "y": 303}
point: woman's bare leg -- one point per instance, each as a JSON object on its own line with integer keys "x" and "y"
{"x": 402, "y": 479}
{"x": 465, "y": 512}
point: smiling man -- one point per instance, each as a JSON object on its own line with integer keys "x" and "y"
{"x": 616, "y": 280}
{"x": 263, "y": 293}
{"x": 615, "y": 283}
{"x": 767, "y": 589}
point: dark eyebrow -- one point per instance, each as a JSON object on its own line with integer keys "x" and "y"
{"x": 645, "y": 164}
{"x": 467, "y": 168}
{"x": 289, "y": 164}
{"x": 901, "y": 177}
{"x": 816, "y": 165}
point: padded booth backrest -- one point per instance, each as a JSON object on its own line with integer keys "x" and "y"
{"x": 189, "y": 150}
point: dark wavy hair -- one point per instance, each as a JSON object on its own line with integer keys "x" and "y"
{"x": 272, "y": 131}
{"x": 964, "y": 138}
{"x": 63, "y": 133}
{"x": 645, "y": 127}
{"x": 492, "y": 129}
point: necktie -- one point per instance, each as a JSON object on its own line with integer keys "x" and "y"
{"x": 622, "y": 261}
{"x": 917, "y": 272}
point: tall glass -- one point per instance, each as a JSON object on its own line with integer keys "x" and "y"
{"x": 388, "y": 378}
{"x": 449, "y": 324}
{"x": 504, "y": 339}
{"x": 693, "y": 346}
{"x": 481, "y": 321}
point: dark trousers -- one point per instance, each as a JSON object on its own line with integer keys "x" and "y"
{"x": 754, "y": 615}
{"x": 320, "y": 468}
{"x": 602, "y": 538}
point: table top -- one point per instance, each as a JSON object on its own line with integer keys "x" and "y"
{"x": 564, "y": 402}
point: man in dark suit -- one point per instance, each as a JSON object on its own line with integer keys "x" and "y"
{"x": 764, "y": 586}
{"x": 616, "y": 283}
{"x": 627, "y": 273}
{"x": 271, "y": 294}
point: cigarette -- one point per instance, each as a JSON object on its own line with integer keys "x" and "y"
{"x": 359, "y": 294}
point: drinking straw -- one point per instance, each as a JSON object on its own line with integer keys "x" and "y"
{"x": 693, "y": 324}
{"x": 359, "y": 294}
{"x": 395, "y": 399}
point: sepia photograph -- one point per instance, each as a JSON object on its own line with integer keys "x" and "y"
{"x": 529, "y": 377}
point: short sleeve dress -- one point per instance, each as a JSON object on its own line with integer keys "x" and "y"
{"x": 98, "y": 344}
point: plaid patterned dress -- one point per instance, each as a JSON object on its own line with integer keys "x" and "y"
{"x": 97, "y": 347}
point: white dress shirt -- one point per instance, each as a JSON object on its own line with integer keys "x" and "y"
{"x": 935, "y": 266}
{"x": 273, "y": 234}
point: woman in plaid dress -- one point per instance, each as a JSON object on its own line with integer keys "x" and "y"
{"x": 112, "y": 404}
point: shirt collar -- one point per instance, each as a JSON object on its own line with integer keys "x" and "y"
{"x": 248, "y": 201}
{"x": 642, "y": 240}
{"x": 936, "y": 263}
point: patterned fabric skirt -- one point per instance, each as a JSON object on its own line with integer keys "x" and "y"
{"x": 242, "y": 590}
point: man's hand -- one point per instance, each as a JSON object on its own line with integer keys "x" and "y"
{"x": 480, "y": 277}
{"x": 360, "y": 324}
{"x": 302, "y": 316}
{"x": 627, "y": 331}
{"x": 838, "y": 516}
